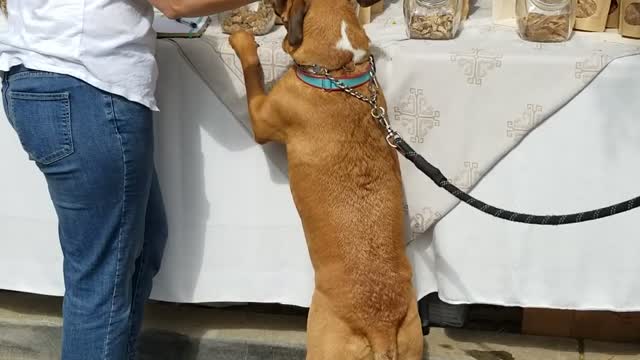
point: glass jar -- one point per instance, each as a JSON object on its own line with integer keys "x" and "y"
{"x": 257, "y": 18}
{"x": 545, "y": 20}
{"x": 432, "y": 19}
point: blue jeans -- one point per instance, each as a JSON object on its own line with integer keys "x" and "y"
{"x": 95, "y": 150}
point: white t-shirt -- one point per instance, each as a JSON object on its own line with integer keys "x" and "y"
{"x": 109, "y": 44}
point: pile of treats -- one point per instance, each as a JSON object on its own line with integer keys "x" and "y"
{"x": 432, "y": 26}
{"x": 590, "y": 15}
{"x": 259, "y": 22}
{"x": 539, "y": 27}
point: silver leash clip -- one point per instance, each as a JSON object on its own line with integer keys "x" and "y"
{"x": 391, "y": 137}
{"x": 378, "y": 113}
{"x": 319, "y": 70}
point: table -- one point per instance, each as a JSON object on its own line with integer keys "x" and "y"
{"x": 235, "y": 235}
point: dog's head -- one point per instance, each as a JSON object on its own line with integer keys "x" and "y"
{"x": 293, "y": 12}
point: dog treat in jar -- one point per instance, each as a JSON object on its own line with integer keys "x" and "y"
{"x": 432, "y": 19}
{"x": 545, "y": 20}
{"x": 592, "y": 15}
{"x": 629, "y": 25}
{"x": 257, "y": 18}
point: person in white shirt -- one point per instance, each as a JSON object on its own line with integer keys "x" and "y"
{"x": 78, "y": 88}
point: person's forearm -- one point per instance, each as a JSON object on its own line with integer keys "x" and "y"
{"x": 192, "y": 8}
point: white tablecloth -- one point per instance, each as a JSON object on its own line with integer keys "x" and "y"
{"x": 465, "y": 103}
{"x": 584, "y": 157}
{"x": 235, "y": 235}
{"x": 234, "y": 232}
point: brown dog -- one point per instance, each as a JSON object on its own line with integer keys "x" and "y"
{"x": 345, "y": 181}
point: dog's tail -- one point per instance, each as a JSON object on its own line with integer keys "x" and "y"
{"x": 384, "y": 344}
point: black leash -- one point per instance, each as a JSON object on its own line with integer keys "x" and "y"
{"x": 396, "y": 141}
{"x": 439, "y": 179}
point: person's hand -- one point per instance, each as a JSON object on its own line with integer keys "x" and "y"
{"x": 174, "y": 9}
{"x": 167, "y": 7}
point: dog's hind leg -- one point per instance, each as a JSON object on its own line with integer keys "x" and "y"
{"x": 401, "y": 342}
{"x": 330, "y": 338}
{"x": 384, "y": 343}
{"x": 410, "y": 339}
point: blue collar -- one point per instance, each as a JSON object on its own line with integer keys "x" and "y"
{"x": 321, "y": 82}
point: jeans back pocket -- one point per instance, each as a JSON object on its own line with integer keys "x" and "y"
{"x": 43, "y": 124}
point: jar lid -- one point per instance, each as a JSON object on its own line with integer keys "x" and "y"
{"x": 550, "y": 5}
{"x": 432, "y": 3}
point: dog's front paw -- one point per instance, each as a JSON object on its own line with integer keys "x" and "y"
{"x": 243, "y": 43}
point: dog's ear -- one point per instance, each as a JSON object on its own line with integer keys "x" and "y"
{"x": 367, "y": 3}
{"x": 279, "y": 7}
{"x": 296, "y": 21}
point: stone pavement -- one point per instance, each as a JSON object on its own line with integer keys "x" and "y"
{"x": 30, "y": 330}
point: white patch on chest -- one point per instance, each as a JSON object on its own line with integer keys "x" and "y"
{"x": 345, "y": 44}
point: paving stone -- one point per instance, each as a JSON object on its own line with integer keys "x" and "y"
{"x": 282, "y": 353}
{"x": 217, "y": 350}
{"x": 228, "y": 325}
{"x": 259, "y": 352}
{"x": 456, "y": 344}
{"x": 164, "y": 345}
{"x": 30, "y": 330}
{"x": 21, "y": 342}
{"x": 595, "y": 350}
{"x": 18, "y": 308}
